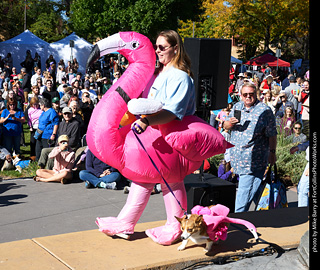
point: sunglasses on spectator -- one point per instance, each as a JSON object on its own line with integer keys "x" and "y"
{"x": 297, "y": 128}
{"x": 248, "y": 94}
{"x": 64, "y": 142}
{"x": 160, "y": 47}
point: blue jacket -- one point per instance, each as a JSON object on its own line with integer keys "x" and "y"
{"x": 47, "y": 121}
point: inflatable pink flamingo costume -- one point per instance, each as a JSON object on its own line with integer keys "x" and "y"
{"x": 178, "y": 148}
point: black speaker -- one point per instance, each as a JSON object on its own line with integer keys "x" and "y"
{"x": 209, "y": 190}
{"x": 210, "y": 64}
{"x": 71, "y": 43}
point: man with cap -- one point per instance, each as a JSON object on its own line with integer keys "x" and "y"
{"x": 240, "y": 82}
{"x": 292, "y": 91}
{"x": 64, "y": 159}
{"x": 56, "y": 106}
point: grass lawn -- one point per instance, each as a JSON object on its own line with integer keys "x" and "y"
{"x": 25, "y": 154}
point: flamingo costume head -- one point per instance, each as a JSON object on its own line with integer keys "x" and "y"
{"x": 178, "y": 148}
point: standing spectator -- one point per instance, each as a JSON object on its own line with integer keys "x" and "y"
{"x": 255, "y": 140}
{"x": 292, "y": 91}
{"x": 239, "y": 82}
{"x": 98, "y": 173}
{"x": 50, "y": 92}
{"x": 34, "y": 113}
{"x": 28, "y": 63}
{"x": 35, "y": 77}
{"x": 116, "y": 77}
{"x": 13, "y": 74}
{"x": 222, "y": 115}
{"x": 268, "y": 100}
{"x": 231, "y": 73}
{"x": 26, "y": 84}
{"x": 49, "y": 61}
{"x": 12, "y": 119}
{"x": 64, "y": 159}
{"x": 61, "y": 74}
{"x": 37, "y": 60}
{"x": 48, "y": 125}
{"x": 9, "y": 61}
{"x": 304, "y": 99}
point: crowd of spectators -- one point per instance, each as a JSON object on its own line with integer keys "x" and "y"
{"x": 57, "y": 101}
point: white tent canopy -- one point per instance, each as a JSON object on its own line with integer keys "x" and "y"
{"x": 61, "y": 50}
{"x": 18, "y": 46}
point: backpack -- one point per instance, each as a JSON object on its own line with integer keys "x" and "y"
{"x": 273, "y": 194}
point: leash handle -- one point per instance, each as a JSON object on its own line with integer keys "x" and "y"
{"x": 155, "y": 166}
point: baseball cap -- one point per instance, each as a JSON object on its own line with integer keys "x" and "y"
{"x": 63, "y": 138}
{"x": 66, "y": 110}
{"x": 55, "y": 99}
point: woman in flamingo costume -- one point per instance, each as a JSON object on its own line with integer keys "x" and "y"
{"x": 176, "y": 140}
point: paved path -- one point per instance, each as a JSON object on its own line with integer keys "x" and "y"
{"x": 55, "y": 226}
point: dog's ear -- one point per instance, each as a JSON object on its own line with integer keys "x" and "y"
{"x": 179, "y": 219}
{"x": 199, "y": 219}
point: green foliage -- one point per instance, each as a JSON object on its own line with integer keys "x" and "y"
{"x": 100, "y": 18}
{"x": 43, "y": 18}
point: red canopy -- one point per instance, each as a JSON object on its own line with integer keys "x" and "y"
{"x": 267, "y": 59}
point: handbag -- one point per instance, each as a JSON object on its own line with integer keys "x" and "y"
{"x": 273, "y": 194}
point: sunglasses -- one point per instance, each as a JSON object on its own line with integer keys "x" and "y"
{"x": 296, "y": 128}
{"x": 160, "y": 47}
{"x": 248, "y": 94}
{"x": 64, "y": 142}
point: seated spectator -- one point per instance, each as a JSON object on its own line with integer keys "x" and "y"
{"x": 287, "y": 121}
{"x": 297, "y": 136}
{"x": 12, "y": 119}
{"x": 48, "y": 127}
{"x": 225, "y": 172}
{"x": 68, "y": 126}
{"x": 5, "y": 156}
{"x": 99, "y": 174}
{"x": 63, "y": 163}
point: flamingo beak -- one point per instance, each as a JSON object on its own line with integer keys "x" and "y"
{"x": 105, "y": 46}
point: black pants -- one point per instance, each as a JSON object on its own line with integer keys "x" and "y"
{"x": 41, "y": 143}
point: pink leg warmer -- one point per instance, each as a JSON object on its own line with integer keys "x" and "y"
{"x": 171, "y": 231}
{"x": 128, "y": 217}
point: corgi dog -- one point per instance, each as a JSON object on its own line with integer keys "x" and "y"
{"x": 194, "y": 228}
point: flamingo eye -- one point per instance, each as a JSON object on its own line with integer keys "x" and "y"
{"x": 134, "y": 44}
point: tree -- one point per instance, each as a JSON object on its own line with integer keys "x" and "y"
{"x": 281, "y": 23}
{"x": 100, "y": 18}
{"x": 44, "y": 18}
